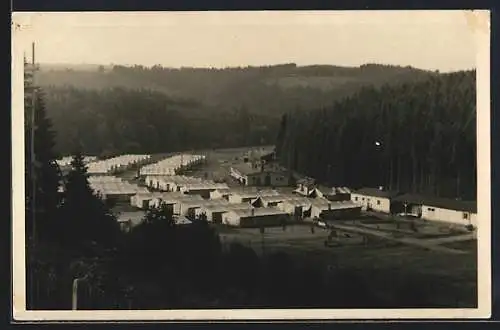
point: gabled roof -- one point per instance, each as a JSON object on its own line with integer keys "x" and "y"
{"x": 298, "y": 201}
{"x": 135, "y": 217}
{"x": 374, "y": 192}
{"x": 245, "y": 168}
{"x": 227, "y": 207}
{"x": 445, "y": 203}
{"x": 339, "y": 190}
{"x": 252, "y": 192}
{"x": 324, "y": 204}
{"x": 223, "y": 190}
{"x": 276, "y": 198}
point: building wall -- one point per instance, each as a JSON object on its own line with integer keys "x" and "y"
{"x": 232, "y": 219}
{"x": 215, "y": 194}
{"x": 276, "y": 179}
{"x": 139, "y": 202}
{"x": 217, "y": 216}
{"x": 234, "y": 199}
{"x": 292, "y": 209}
{"x": 266, "y": 220}
{"x": 336, "y": 214}
{"x": 432, "y": 213}
{"x": 379, "y": 204}
{"x": 118, "y": 198}
{"x": 205, "y": 193}
{"x": 338, "y": 197}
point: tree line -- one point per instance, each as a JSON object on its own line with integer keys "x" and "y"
{"x": 414, "y": 137}
{"x": 118, "y": 120}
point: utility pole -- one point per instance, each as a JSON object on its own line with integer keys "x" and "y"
{"x": 74, "y": 298}
{"x": 33, "y": 155}
{"x": 31, "y": 92}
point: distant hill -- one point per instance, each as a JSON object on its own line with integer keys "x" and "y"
{"x": 271, "y": 89}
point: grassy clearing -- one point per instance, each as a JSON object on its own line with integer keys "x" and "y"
{"x": 389, "y": 267}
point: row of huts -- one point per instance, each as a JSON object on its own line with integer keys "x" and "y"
{"x": 186, "y": 184}
{"x": 248, "y": 207}
{"x": 115, "y": 164}
{"x": 66, "y": 161}
{"x": 425, "y": 207}
{"x": 172, "y": 165}
{"x": 257, "y": 174}
{"x": 113, "y": 188}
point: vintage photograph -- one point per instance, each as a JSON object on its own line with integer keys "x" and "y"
{"x": 251, "y": 165}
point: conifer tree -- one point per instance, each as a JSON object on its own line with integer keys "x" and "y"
{"x": 87, "y": 221}
{"x": 42, "y": 179}
{"x": 42, "y": 172}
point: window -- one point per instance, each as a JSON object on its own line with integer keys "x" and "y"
{"x": 465, "y": 215}
{"x": 378, "y": 202}
{"x": 430, "y": 209}
{"x": 363, "y": 199}
{"x": 356, "y": 199}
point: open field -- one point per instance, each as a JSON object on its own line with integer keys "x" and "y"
{"x": 387, "y": 264}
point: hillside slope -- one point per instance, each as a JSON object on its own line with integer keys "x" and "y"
{"x": 270, "y": 90}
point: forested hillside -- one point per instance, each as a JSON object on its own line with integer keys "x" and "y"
{"x": 111, "y": 121}
{"x": 418, "y": 137}
{"x": 137, "y": 109}
{"x": 266, "y": 90}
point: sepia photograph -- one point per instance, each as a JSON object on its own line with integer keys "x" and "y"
{"x": 251, "y": 165}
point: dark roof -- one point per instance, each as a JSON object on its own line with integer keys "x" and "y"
{"x": 375, "y": 192}
{"x": 269, "y": 156}
{"x": 445, "y": 203}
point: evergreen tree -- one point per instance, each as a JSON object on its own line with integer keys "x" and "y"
{"x": 87, "y": 221}
{"x": 42, "y": 172}
{"x": 42, "y": 178}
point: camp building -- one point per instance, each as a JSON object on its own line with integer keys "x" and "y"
{"x": 374, "y": 199}
{"x": 437, "y": 209}
{"x": 254, "y": 174}
{"x": 255, "y": 217}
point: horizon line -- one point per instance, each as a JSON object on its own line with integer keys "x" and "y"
{"x": 203, "y": 67}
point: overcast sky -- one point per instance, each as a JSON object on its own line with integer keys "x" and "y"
{"x": 437, "y": 40}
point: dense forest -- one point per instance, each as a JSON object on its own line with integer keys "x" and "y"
{"x": 117, "y": 120}
{"x": 268, "y": 89}
{"x": 137, "y": 109}
{"x": 415, "y": 137}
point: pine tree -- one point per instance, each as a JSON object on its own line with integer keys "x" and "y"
{"x": 42, "y": 178}
{"x": 87, "y": 221}
{"x": 42, "y": 172}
